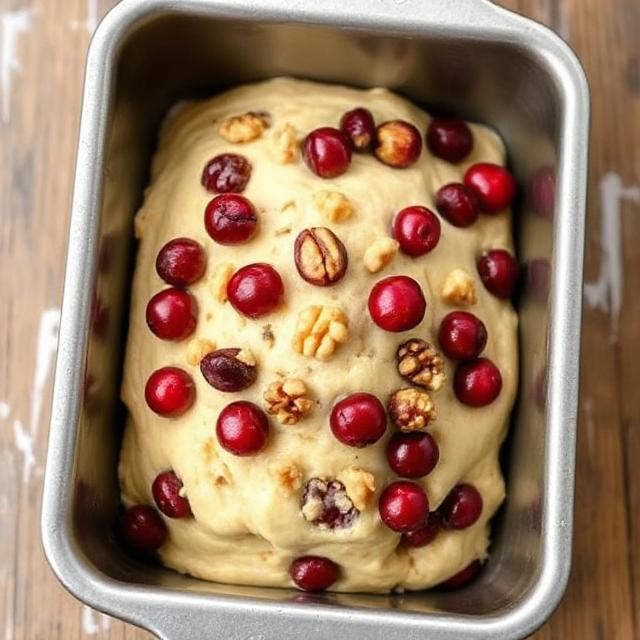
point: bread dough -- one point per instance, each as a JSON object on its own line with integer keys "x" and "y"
{"x": 247, "y": 527}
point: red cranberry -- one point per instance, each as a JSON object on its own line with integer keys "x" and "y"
{"x": 462, "y": 507}
{"x": 450, "y": 139}
{"x": 143, "y": 529}
{"x": 224, "y": 371}
{"x": 462, "y": 335}
{"x": 172, "y": 314}
{"x": 169, "y": 392}
{"x": 397, "y": 143}
{"x": 332, "y": 506}
{"x": 358, "y": 420}
{"x": 457, "y": 204}
{"x": 226, "y": 173}
{"x": 412, "y": 455}
{"x": 498, "y": 271}
{"x": 166, "y": 493}
{"x": 313, "y": 573}
{"x": 255, "y": 290}
{"x": 494, "y": 186}
{"x": 403, "y": 506}
{"x": 242, "y": 428}
{"x": 230, "y": 219}
{"x": 464, "y": 577}
{"x": 326, "y": 152}
{"x": 181, "y": 262}
{"x": 397, "y": 303}
{"x": 543, "y": 192}
{"x": 417, "y": 230}
{"x": 359, "y": 128}
{"x": 477, "y": 383}
{"x": 424, "y": 535}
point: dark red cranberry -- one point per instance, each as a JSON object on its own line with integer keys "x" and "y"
{"x": 477, "y": 383}
{"x": 181, "y": 262}
{"x": 403, "y": 506}
{"x": 397, "y": 303}
{"x": 417, "y": 230}
{"x": 494, "y": 186}
{"x": 166, "y": 493}
{"x": 450, "y": 139}
{"x": 397, "y": 143}
{"x": 464, "y": 577}
{"x": 225, "y": 371}
{"x": 143, "y": 529}
{"x": 425, "y": 534}
{"x": 172, "y": 314}
{"x": 313, "y": 573}
{"x": 230, "y": 219}
{"x": 336, "y": 509}
{"x": 462, "y": 335}
{"x": 169, "y": 392}
{"x": 226, "y": 173}
{"x": 498, "y": 271}
{"x": 358, "y": 420}
{"x": 457, "y": 204}
{"x": 462, "y": 507}
{"x": 327, "y": 153}
{"x": 255, "y": 290}
{"x": 412, "y": 455}
{"x": 242, "y": 428}
{"x": 359, "y": 127}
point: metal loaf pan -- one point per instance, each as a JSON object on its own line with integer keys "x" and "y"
{"x": 467, "y": 57}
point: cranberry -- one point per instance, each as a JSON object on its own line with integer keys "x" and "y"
{"x": 543, "y": 192}
{"x": 494, "y": 186}
{"x": 166, "y": 493}
{"x": 462, "y": 507}
{"x": 425, "y": 534}
{"x": 359, "y": 128}
{"x": 225, "y": 371}
{"x": 450, "y": 139}
{"x": 457, "y": 204}
{"x": 326, "y": 152}
{"x": 326, "y": 504}
{"x": 417, "y": 230}
{"x": 464, "y": 577}
{"x": 477, "y": 383}
{"x": 226, "y": 173}
{"x": 462, "y": 335}
{"x": 412, "y": 455}
{"x": 255, "y": 290}
{"x": 181, "y": 262}
{"x": 498, "y": 271}
{"x": 230, "y": 219}
{"x": 242, "y": 428}
{"x": 358, "y": 420}
{"x": 142, "y": 528}
{"x": 397, "y": 303}
{"x": 397, "y": 143}
{"x": 313, "y": 573}
{"x": 172, "y": 314}
{"x": 403, "y": 506}
{"x": 169, "y": 392}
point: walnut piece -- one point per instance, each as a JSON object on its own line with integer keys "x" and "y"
{"x": 360, "y": 486}
{"x": 411, "y": 409}
{"x": 219, "y": 281}
{"x": 244, "y": 128}
{"x": 421, "y": 364}
{"x": 197, "y": 349}
{"x": 287, "y": 400}
{"x": 288, "y": 476}
{"x": 333, "y": 205}
{"x": 459, "y": 289}
{"x": 380, "y": 254}
{"x": 325, "y": 504}
{"x": 319, "y": 331}
{"x": 284, "y": 145}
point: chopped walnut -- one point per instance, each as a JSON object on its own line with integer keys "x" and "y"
{"x": 319, "y": 331}
{"x": 459, "y": 289}
{"x": 197, "y": 349}
{"x": 333, "y": 205}
{"x": 219, "y": 281}
{"x": 218, "y": 470}
{"x": 246, "y": 357}
{"x": 286, "y": 399}
{"x": 421, "y": 364}
{"x": 284, "y": 144}
{"x": 411, "y": 409}
{"x": 268, "y": 336}
{"x": 244, "y": 128}
{"x": 325, "y": 503}
{"x": 380, "y": 254}
{"x": 288, "y": 476}
{"x": 360, "y": 486}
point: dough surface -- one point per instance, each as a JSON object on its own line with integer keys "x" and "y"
{"x": 247, "y": 525}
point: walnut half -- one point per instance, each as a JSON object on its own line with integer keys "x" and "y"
{"x": 421, "y": 364}
{"x": 459, "y": 289}
{"x": 320, "y": 330}
{"x": 244, "y": 128}
{"x": 411, "y": 409}
{"x": 287, "y": 400}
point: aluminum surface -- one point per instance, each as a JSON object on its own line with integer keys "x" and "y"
{"x": 469, "y": 57}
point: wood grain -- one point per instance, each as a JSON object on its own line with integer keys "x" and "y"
{"x": 37, "y": 143}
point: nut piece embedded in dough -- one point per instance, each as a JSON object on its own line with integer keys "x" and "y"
{"x": 333, "y": 205}
{"x": 411, "y": 409}
{"x": 459, "y": 289}
{"x": 197, "y": 349}
{"x": 325, "y": 503}
{"x": 421, "y": 364}
{"x": 244, "y": 128}
{"x": 288, "y": 476}
{"x": 219, "y": 281}
{"x": 320, "y": 256}
{"x": 287, "y": 400}
{"x": 360, "y": 486}
{"x": 380, "y": 254}
{"x": 284, "y": 145}
{"x": 319, "y": 331}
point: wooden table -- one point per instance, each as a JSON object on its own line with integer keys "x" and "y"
{"x": 42, "y": 51}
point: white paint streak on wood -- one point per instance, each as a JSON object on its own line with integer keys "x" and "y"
{"x": 5, "y": 410}
{"x": 90, "y": 22}
{"x": 93, "y": 622}
{"x": 24, "y": 444}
